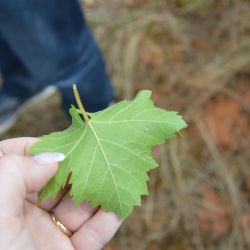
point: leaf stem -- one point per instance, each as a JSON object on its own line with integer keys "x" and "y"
{"x": 79, "y": 103}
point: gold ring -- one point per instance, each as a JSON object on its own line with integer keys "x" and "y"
{"x": 64, "y": 229}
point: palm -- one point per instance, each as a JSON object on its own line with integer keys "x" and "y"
{"x": 34, "y": 229}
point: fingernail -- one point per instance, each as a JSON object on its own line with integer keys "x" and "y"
{"x": 48, "y": 158}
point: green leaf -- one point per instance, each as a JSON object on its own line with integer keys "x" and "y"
{"x": 107, "y": 159}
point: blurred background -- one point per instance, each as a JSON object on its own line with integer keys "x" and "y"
{"x": 195, "y": 57}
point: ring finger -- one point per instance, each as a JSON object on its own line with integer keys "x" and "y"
{"x": 72, "y": 215}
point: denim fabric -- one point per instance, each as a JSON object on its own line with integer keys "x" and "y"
{"x": 45, "y": 42}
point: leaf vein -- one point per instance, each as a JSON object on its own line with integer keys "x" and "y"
{"x": 106, "y": 160}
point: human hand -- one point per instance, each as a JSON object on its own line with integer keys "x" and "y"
{"x": 27, "y": 226}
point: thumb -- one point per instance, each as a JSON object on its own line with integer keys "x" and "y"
{"x": 21, "y": 175}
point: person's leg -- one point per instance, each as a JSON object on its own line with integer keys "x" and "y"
{"x": 17, "y": 83}
{"x": 53, "y": 44}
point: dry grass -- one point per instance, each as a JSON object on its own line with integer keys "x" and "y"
{"x": 190, "y": 51}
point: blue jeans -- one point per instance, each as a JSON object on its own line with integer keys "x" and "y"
{"x": 47, "y": 42}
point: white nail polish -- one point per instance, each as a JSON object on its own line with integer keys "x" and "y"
{"x": 48, "y": 158}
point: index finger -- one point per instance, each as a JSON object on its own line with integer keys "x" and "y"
{"x": 17, "y": 146}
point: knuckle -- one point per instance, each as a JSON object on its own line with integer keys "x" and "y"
{"x": 9, "y": 163}
{"x": 11, "y": 171}
{"x": 96, "y": 236}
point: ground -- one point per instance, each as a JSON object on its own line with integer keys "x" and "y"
{"x": 194, "y": 56}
